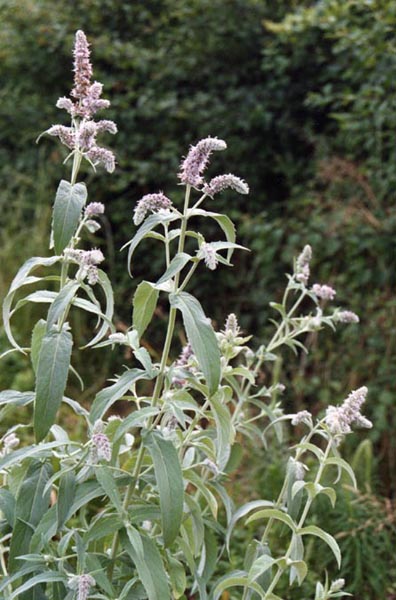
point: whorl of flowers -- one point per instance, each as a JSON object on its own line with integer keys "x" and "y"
{"x": 346, "y": 316}
{"x": 185, "y": 355}
{"x": 302, "y": 265}
{"x": 93, "y": 209}
{"x": 323, "y": 291}
{"x": 222, "y": 182}
{"x": 208, "y": 253}
{"x": 83, "y": 584}
{"x": 150, "y": 202}
{"x": 85, "y": 101}
{"x": 197, "y": 159}
{"x": 88, "y": 261}
{"x": 303, "y": 416}
{"x": 10, "y": 442}
{"x": 339, "y": 419}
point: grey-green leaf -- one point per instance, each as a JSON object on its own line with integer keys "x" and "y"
{"x": 37, "y": 337}
{"x": 169, "y": 479}
{"x": 177, "y": 264}
{"x": 150, "y": 567}
{"x": 66, "y": 494}
{"x": 201, "y": 337}
{"x": 144, "y": 303}
{"x": 106, "y": 397}
{"x": 69, "y": 201}
{"x": 22, "y": 278}
{"x": 52, "y": 370}
{"x": 61, "y": 303}
{"x": 31, "y": 504}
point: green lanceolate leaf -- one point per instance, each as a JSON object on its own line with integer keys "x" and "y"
{"x": 37, "y": 337}
{"x": 61, "y": 304}
{"x": 22, "y": 278}
{"x": 225, "y": 430}
{"x": 169, "y": 479}
{"x": 225, "y": 223}
{"x": 66, "y": 494}
{"x": 106, "y": 397}
{"x": 31, "y": 504}
{"x": 105, "y": 477}
{"x": 326, "y": 537}
{"x": 178, "y": 263}
{"x": 144, "y": 303}
{"x": 236, "y": 579}
{"x": 149, "y": 566}
{"x": 69, "y": 201}
{"x": 201, "y": 337}
{"x": 52, "y": 370}
{"x": 148, "y": 225}
{"x": 105, "y": 284}
{"x": 7, "y": 506}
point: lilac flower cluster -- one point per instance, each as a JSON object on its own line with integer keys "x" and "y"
{"x": 102, "y": 447}
{"x": 222, "y": 182}
{"x": 81, "y": 136}
{"x": 150, "y": 202}
{"x": 83, "y": 584}
{"x": 208, "y": 253}
{"x": 88, "y": 261}
{"x": 231, "y": 326}
{"x": 339, "y": 419}
{"x": 10, "y": 442}
{"x": 346, "y": 316}
{"x": 323, "y": 291}
{"x": 302, "y": 270}
{"x": 303, "y": 416}
{"x": 197, "y": 160}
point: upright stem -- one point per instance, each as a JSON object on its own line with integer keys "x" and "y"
{"x": 301, "y": 522}
{"x": 158, "y": 385}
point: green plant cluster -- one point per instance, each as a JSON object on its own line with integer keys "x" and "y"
{"x": 304, "y": 94}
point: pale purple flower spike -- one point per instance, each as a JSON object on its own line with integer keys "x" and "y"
{"x": 150, "y": 202}
{"x": 222, "y": 182}
{"x": 302, "y": 265}
{"x": 197, "y": 160}
{"x": 339, "y": 419}
{"x": 85, "y": 101}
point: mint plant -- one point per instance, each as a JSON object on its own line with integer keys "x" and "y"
{"x": 141, "y": 506}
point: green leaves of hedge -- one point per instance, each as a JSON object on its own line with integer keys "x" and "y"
{"x": 69, "y": 201}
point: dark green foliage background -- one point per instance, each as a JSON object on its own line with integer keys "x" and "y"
{"x": 304, "y": 94}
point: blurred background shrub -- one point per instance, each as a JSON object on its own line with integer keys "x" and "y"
{"x": 304, "y": 93}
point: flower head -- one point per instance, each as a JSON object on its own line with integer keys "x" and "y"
{"x": 93, "y": 209}
{"x": 150, "y": 202}
{"x": 323, "y": 291}
{"x": 346, "y": 316}
{"x": 339, "y": 419}
{"x": 222, "y": 182}
{"x": 208, "y": 253}
{"x": 197, "y": 159}
{"x": 83, "y": 584}
{"x": 302, "y": 265}
{"x": 303, "y": 416}
{"x": 84, "y": 102}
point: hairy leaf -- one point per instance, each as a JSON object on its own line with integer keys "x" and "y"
{"x": 201, "y": 337}
{"x": 69, "y": 201}
{"x": 52, "y": 371}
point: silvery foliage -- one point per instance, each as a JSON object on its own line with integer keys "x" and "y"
{"x": 131, "y": 510}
